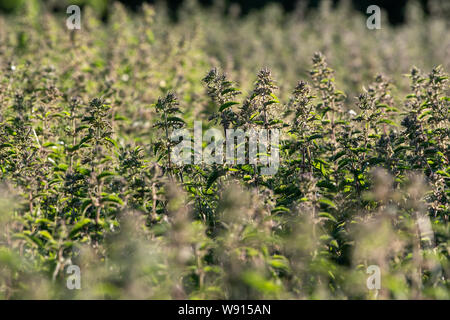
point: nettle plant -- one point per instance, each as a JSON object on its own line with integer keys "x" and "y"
{"x": 88, "y": 150}
{"x": 329, "y": 157}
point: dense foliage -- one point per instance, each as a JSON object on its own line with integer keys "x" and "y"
{"x": 87, "y": 178}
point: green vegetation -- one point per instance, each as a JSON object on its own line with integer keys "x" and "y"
{"x": 86, "y": 176}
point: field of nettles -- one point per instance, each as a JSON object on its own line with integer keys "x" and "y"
{"x": 86, "y": 177}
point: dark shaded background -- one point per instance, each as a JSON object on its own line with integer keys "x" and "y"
{"x": 395, "y": 8}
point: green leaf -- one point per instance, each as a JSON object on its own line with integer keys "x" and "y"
{"x": 46, "y": 235}
{"x": 224, "y": 92}
{"x": 226, "y": 105}
{"x": 83, "y": 171}
{"x": 213, "y": 177}
{"x": 328, "y": 202}
{"x": 280, "y": 209}
{"x": 175, "y": 119}
{"x": 112, "y": 198}
{"x": 328, "y": 216}
{"x": 112, "y": 142}
{"x": 6, "y": 145}
{"x": 314, "y": 136}
{"x": 392, "y": 123}
{"x": 79, "y": 226}
{"x": 275, "y": 98}
{"x": 279, "y": 262}
{"x": 254, "y": 115}
{"x": 105, "y": 174}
